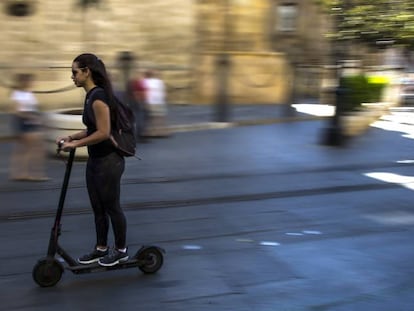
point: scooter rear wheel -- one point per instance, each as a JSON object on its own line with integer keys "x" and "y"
{"x": 152, "y": 260}
{"x": 47, "y": 272}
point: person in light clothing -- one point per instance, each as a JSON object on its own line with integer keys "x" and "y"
{"x": 156, "y": 103}
{"x": 28, "y": 157}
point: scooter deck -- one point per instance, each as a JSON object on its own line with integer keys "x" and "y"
{"x": 95, "y": 267}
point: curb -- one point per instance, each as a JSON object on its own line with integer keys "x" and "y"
{"x": 181, "y": 128}
{"x": 222, "y": 125}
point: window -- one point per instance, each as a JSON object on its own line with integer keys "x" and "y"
{"x": 19, "y": 8}
{"x": 286, "y": 17}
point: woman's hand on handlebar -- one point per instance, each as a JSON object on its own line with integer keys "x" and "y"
{"x": 67, "y": 146}
{"x": 65, "y": 143}
{"x": 62, "y": 139}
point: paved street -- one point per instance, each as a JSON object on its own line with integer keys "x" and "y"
{"x": 252, "y": 218}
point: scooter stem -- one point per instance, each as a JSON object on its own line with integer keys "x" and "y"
{"x": 56, "y": 226}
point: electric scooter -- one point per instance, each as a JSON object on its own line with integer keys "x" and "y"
{"x": 48, "y": 271}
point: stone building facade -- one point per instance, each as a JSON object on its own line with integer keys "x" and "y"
{"x": 195, "y": 44}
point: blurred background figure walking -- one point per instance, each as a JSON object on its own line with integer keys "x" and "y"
{"x": 137, "y": 92}
{"x": 27, "y": 161}
{"x": 156, "y": 103}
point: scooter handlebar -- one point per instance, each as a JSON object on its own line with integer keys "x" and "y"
{"x": 60, "y": 145}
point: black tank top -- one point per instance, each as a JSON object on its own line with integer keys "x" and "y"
{"x": 88, "y": 118}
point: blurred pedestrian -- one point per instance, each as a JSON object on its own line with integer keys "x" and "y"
{"x": 105, "y": 166}
{"x": 137, "y": 93}
{"x": 156, "y": 103}
{"x": 28, "y": 157}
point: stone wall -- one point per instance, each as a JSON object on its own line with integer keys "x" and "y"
{"x": 181, "y": 38}
{"x": 161, "y": 35}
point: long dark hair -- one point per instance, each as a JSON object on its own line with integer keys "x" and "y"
{"x": 99, "y": 75}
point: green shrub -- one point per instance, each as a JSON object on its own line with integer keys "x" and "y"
{"x": 359, "y": 89}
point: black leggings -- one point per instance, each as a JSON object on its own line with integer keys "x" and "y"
{"x": 103, "y": 180}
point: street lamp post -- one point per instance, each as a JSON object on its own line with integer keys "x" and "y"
{"x": 223, "y": 64}
{"x": 125, "y": 60}
{"x": 222, "y": 99}
{"x": 294, "y": 56}
{"x": 334, "y": 132}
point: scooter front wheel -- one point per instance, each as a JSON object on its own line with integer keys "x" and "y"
{"x": 47, "y": 272}
{"x": 152, "y": 260}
